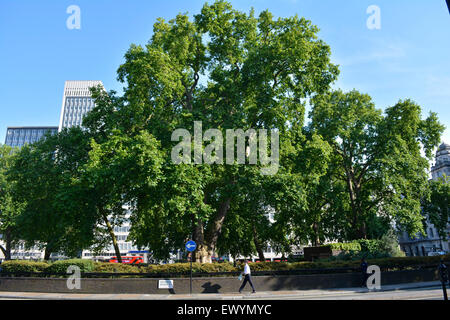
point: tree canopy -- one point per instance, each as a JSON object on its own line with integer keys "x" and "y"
{"x": 352, "y": 172}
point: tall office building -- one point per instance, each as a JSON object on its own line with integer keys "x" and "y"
{"x": 19, "y": 136}
{"x": 77, "y": 101}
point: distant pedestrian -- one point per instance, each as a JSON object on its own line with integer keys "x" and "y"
{"x": 365, "y": 276}
{"x": 247, "y": 277}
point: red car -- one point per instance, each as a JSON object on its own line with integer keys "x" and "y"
{"x": 128, "y": 260}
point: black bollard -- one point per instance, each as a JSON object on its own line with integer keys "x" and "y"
{"x": 443, "y": 275}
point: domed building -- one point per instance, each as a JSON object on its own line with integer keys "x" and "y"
{"x": 423, "y": 245}
{"x": 442, "y": 165}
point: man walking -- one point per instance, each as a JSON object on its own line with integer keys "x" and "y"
{"x": 247, "y": 277}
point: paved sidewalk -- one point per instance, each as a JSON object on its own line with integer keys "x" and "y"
{"x": 303, "y": 294}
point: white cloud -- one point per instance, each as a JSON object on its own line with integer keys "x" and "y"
{"x": 381, "y": 55}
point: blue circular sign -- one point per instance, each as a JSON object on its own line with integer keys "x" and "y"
{"x": 191, "y": 246}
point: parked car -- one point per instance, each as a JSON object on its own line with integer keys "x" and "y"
{"x": 436, "y": 253}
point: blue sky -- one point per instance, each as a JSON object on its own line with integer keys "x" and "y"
{"x": 409, "y": 57}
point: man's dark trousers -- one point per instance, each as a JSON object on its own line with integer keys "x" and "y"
{"x": 248, "y": 279}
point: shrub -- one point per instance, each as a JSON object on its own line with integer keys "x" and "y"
{"x": 107, "y": 267}
{"x": 386, "y": 264}
{"x": 345, "y": 246}
{"x": 185, "y": 268}
{"x": 385, "y": 247}
{"x": 269, "y": 266}
{"x": 389, "y": 244}
{"x": 23, "y": 266}
{"x": 217, "y": 267}
{"x": 62, "y": 265}
{"x": 371, "y": 246}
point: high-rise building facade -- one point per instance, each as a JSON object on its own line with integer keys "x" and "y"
{"x": 19, "y": 136}
{"x": 77, "y": 101}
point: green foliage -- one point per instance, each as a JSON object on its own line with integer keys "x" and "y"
{"x": 62, "y": 265}
{"x": 24, "y": 266}
{"x": 436, "y": 205}
{"x": 377, "y": 173}
{"x": 389, "y": 245}
{"x": 185, "y": 268}
{"x": 346, "y": 246}
{"x": 115, "y": 268}
{"x": 268, "y": 266}
{"x": 351, "y": 173}
{"x": 385, "y": 247}
{"x": 370, "y": 246}
{"x": 10, "y": 207}
{"x": 58, "y": 213}
{"x": 256, "y": 72}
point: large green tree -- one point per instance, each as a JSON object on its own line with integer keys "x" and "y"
{"x": 76, "y": 193}
{"x": 377, "y": 157}
{"x": 116, "y": 175}
{"x": 229, "y": 70}
{"x": 9, "y": 207}
{"x": 56, "y": 216}
{"x": 436, "y": 205}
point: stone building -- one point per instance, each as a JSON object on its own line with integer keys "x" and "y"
{"x": 423, "y": 245}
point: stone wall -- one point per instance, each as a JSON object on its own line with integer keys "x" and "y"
{"x": 211, "y": 285}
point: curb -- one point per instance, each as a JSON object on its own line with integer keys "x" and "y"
{"x": 305, "y": 293}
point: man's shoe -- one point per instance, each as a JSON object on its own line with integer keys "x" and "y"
{"x": 253, "y": 291}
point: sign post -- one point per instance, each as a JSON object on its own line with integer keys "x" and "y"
{"x": 190, "y": 247}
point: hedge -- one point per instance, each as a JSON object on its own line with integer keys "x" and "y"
{"x": 106, "y": 267}
{"x": 371, "y": 246}
{"x": 345, "y": 246}
{"x": 87, "y": 266}
{"x": 371, "y": 249}
{"x": 185, "y": 268}
{"x": 62, "y": 265}
{"x": 23, "y": 266}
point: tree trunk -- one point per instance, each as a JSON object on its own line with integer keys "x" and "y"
{"x": 112, "y": 235}
{"x": 7, "y": 249}
{"x": 5, "y": 253}
{"x": 316, "y": 238}
{"x": 47, "y": 252}
{"x": 352, "y": 191}
{"x": 203, "y": 254}
{"x": 207, "y": 241}
{"x": 260, "y": 253}
{"x": 258, "y": 246}
{"x": 362, "y": 232}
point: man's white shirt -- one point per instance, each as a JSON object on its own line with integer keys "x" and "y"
{"x": 246, "y": 269}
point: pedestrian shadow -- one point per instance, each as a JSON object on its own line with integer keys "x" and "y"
{"x": 208, "y": 288}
